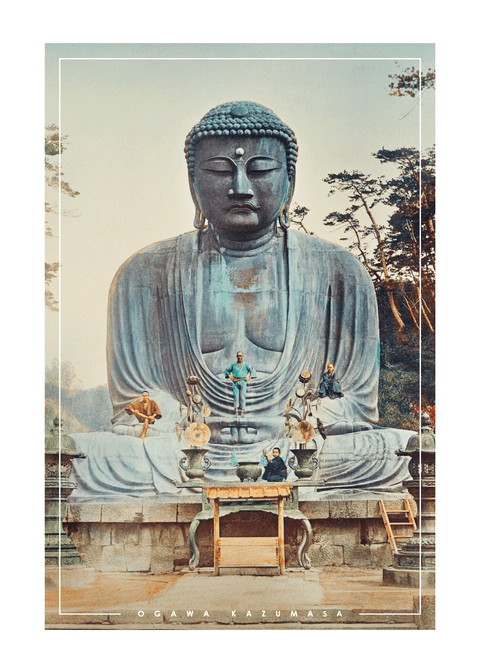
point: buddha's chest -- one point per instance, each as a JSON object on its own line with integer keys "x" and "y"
{"x": 244, "y": 298}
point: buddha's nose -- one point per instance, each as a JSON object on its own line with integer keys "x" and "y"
{"x": 241, "y": 183}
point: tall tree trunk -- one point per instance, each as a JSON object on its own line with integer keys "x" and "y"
{"x": 401, "y": 335}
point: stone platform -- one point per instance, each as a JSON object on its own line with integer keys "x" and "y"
{"x": 331, "y": 598}
{"x": 143, "y": 536}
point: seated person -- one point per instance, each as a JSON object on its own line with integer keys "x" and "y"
{"x": 146, "y": 411}
{"x": 276, "y": 469}
{"x": 330, "y": 385}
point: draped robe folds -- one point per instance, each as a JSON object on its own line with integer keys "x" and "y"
{"x": 154, "y": 326}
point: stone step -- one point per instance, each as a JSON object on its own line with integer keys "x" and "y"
{"x": 221, "y": 626}
{"x": 314, "y": 617}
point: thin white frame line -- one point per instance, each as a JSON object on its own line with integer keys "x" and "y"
{"x": 60, "y": 521}
{"x": 59, "y": 339}
{"x": 419, "y": 350}
{"x": 388, "y": 58}
{"x": 235, "y": 58}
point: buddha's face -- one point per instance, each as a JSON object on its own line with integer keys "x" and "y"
{"x": 241, "y": 183}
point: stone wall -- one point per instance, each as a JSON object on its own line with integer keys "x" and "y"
{"x": 147, "y": 537}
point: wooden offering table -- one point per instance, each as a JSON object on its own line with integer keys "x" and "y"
{"x": 249, "y": 551}
{"x": 223, "y": 499}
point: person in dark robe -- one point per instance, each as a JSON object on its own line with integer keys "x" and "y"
{"x": 330, "y": 385}
{"x": 276, "y": 469}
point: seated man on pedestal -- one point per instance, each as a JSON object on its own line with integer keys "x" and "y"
{"x": 292, "y": 302}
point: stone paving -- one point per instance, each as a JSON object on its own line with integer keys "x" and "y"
{"x": 329, "y": 597}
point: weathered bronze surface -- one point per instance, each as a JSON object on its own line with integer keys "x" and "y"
{"x": 182, "y": 308}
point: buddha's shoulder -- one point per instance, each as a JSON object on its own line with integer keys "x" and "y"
{"x": 318, "y": 252}
{"x": 156, "y": 255}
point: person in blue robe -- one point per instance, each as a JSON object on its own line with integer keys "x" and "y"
{"x": 330, "y": 385}
{"x": 240, "y": 373}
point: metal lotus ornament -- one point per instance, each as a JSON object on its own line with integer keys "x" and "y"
{"x": 305, "y": 377}
{"x": 302, "y": 432}
{"x": 302, "y": 415}
{"x": 197, "y": 434}
{"x": 302, "y": 423}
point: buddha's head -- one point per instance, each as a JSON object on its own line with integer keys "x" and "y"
{"x": 241, "y": 163}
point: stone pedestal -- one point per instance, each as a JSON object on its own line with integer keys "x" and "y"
{"x": 414, "y": 564}
{"x": 60, "y": 551}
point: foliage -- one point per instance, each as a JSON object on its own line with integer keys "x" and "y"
{"x": 54, "y": 145}
{"x": 297, "y": 214}
{"x": 410, "y": 234}
{"x": 94, "y": 408}
{"x": 396, "y": 389}
{"x": 430, "y": 410}
{"x": 365, "y": 192}
{"x": 70, "y": 422}
{"x": 400, "y": 250}
{"x": 64, "y": 375}
{"x": 51, "y": 271}
{"x": 407, "y": 371}
{"x": 82, "y": 410}
{"x": 409, "y": 81}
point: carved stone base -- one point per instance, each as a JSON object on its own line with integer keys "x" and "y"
{"x": 410, "y": 578}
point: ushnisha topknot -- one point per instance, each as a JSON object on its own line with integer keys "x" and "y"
{"x": 242, "y": 118}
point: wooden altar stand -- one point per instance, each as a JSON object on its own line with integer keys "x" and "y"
{"x": 249, "y": 551}
{"x": 225, "y": 498}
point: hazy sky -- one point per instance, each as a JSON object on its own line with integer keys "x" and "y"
{"x": 127, "y": 120}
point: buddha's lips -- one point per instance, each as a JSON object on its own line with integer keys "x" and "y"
{"x": 244, "y": 206}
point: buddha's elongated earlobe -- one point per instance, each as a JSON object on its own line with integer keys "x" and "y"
{"x": 199, "y": 222}
{"x": 283, "y": 215}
